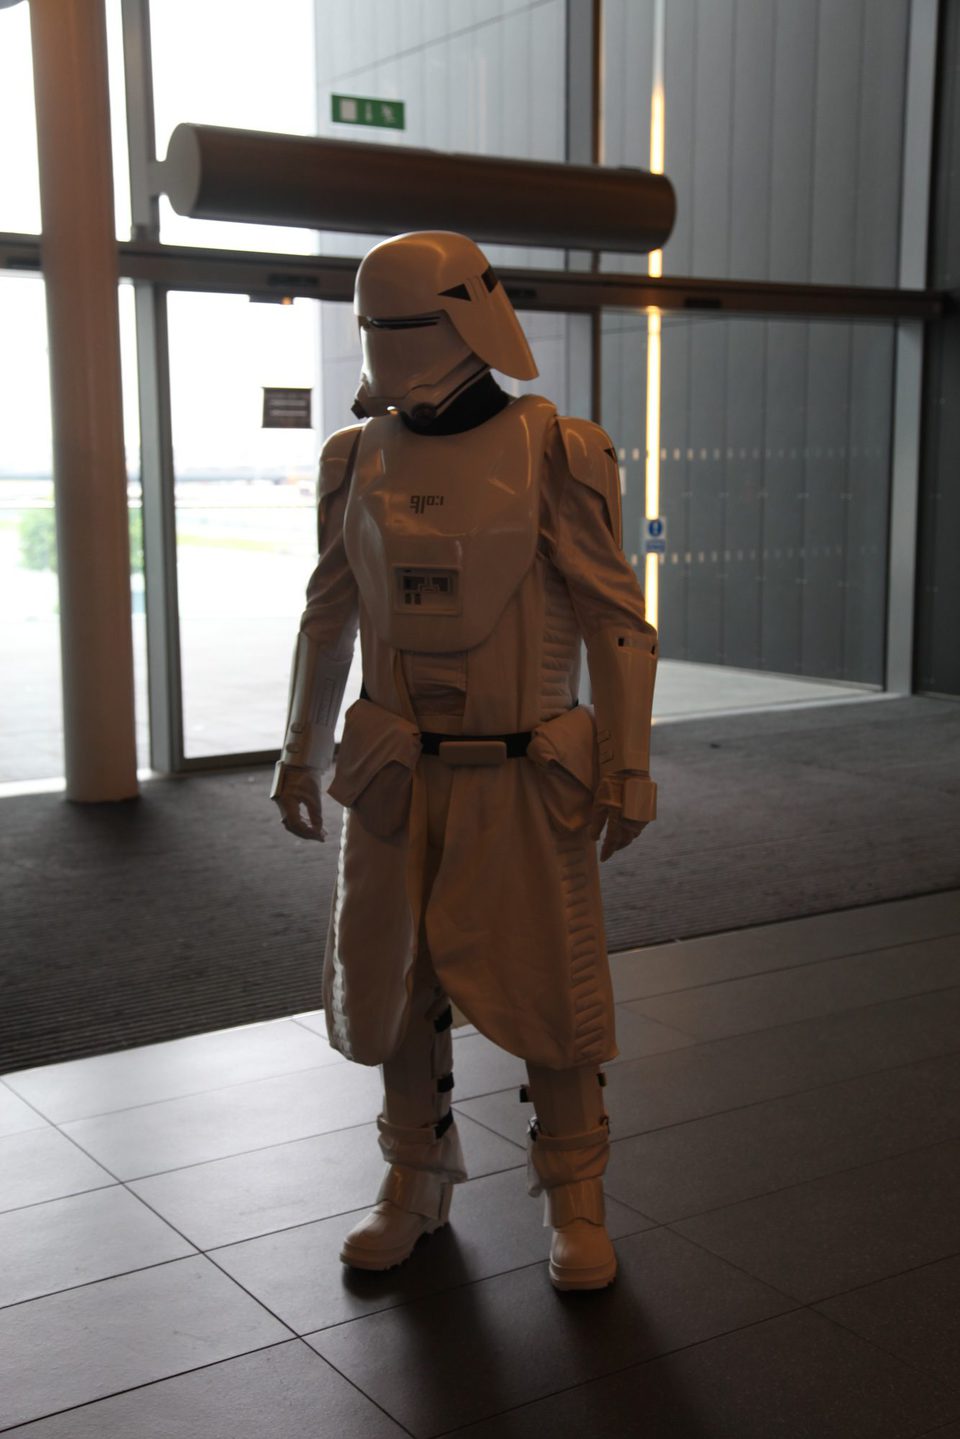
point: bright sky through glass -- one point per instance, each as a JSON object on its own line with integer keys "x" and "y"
{"x": 215, "y": 62}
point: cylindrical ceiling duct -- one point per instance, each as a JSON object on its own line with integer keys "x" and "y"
{"x": 213, "y": 173}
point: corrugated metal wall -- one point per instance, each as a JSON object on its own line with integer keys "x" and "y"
{"x": 783, "y": 138}
{"x": 938, "y": 599}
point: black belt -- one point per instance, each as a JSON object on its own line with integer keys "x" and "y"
{"x": 516, "y": 744}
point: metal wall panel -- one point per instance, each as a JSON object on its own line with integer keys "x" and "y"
{"x": 784, "y": 123}
{"x": 775, "y": 463}
{"x": 752, "y": 143}
{"x": 938, "y": 598}
{"x": 743, "y": 539}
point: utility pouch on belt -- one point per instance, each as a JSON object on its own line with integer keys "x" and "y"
{"x": 374, "y": 770}
{"x": 564, "y": 751}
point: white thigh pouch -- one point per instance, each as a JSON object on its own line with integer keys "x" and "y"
{"x": 375, "y": 763}
{"x": 441, "y": 529}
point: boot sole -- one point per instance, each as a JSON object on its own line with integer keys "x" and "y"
{"x": 357, "y": 1258}
{"x": 600, "y": 1277}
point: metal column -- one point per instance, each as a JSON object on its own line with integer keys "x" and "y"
{"x": 156, "y": 441}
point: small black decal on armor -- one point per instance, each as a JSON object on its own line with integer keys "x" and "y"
{"x": 457, "y": 292}
{"x": 489, "y": 278}
{"x": 418, "y": 503}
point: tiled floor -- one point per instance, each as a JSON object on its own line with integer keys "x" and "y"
{"x": 784, "y": 1195}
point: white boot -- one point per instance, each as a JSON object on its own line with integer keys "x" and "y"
{"x": 581, "y": 1254}
{"x": 425, "y": 1161}
{"x": 568, "y": 1147}
{"x": 411, "y": 1203}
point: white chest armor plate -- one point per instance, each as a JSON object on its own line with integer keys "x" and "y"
{"x": 441, "y": 529}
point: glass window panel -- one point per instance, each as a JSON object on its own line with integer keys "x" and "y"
{"x": 31, "y": 714}
{"x": 783, "y": 130}
{"x": 774, "y": 474}
{"x": 19, "y": 180}
{"x": 246, "y": 517}
{"x": 19, "y": 184}
{"x": 233, "y": 62}
{"x": 31, "y": 723}
{"x": 483, "y": 79}
{"x": 118, "y": 120}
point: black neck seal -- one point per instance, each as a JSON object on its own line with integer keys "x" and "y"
{"x": 478, "y": 403}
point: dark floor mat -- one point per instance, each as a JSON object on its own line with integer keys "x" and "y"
{"x": 191, "y": 909}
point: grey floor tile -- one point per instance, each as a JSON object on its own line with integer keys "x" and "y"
{"x": 495, "y": 1227}
{"x": 453, "y": 1358}
{"x": 313, "y": 1019}
{"x": 40, "y": 1164}
{"x": 694, "y": 962}
{"x": 763, "y": 1064}
{"x": 248, "y": 1195}
{"x": 915, "y": 1316}
{"x": 286, "y": 1392}
{"x": 200, "y": 1127}
{"x": 48, "y": 1247}
{"x": 706, "y": 1163}
{"x": 15, "y": 1116}
{"x": 638, "y": 1036}
{"x": 846, "y": 1230}
{"x": 481, "y": 1067}
{"x": 765, "y": 1000}
{"x": 502, "y": 1113}
{"x": 81, "y": 1088}
{"x": 793, "y": 1377}
{"x": 125, "y": 1331}
{"x": 672, "y": 1087}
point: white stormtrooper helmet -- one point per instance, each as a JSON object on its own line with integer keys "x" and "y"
{"x": 433, "y": 317}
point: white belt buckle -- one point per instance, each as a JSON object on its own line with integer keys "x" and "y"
{"x": 473, "y": 751}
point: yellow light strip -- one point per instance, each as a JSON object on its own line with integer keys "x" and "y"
{"x": 651, "y": 507}
{"x": 652, "y": 471}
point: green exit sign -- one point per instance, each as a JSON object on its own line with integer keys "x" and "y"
{"x": 358, "y": 110}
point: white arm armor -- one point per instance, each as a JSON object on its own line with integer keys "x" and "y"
{"x": 317, "y": 684}
{"x": 623, "y": 667}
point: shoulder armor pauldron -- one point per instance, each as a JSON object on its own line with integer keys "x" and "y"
{"x": 592, "y": 460}
{"x": 335, "y": 457}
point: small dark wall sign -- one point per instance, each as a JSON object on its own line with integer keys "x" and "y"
{"x": 286, "y": 409}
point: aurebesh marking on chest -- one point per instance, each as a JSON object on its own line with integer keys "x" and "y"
{"x": 419, "y": 503}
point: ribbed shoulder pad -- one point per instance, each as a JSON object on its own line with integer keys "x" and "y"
{"x": 592, "y": 460}
{"x": 334, "y": 458}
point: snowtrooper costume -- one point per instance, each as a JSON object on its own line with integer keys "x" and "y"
{"x": 473, "y": 540}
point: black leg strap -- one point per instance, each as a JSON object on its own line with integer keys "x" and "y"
{"x": 445, "y": 1083}
{"x": 442, "y": 1125}
{"x": 443, "y": 1021}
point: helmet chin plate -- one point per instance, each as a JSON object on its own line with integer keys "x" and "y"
{"x": 423, "y": 403}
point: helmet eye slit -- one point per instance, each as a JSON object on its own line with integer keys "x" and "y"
{"x": 405, "y": 322}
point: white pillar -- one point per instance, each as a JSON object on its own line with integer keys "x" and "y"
{"x": 80, "y": 270}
